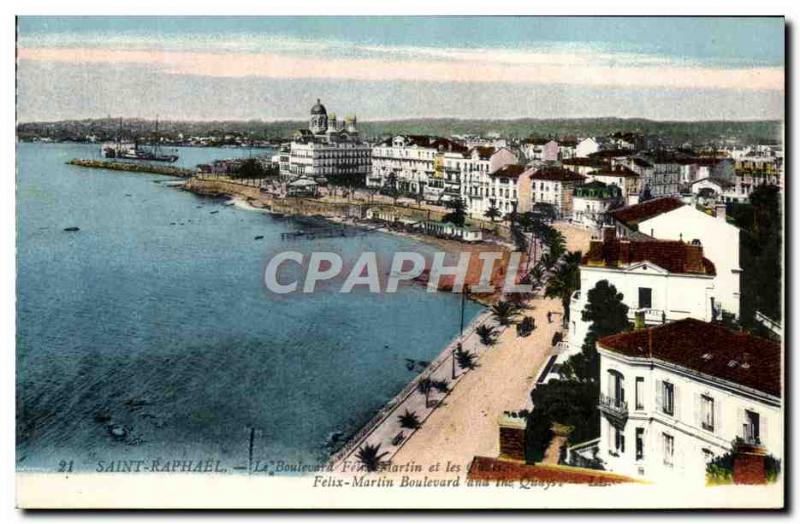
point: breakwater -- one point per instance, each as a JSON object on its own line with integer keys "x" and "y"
{"x": 132, "y": 167}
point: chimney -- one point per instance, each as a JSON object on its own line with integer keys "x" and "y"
{"x": 694, "y": 258}
{"x": 609, "y": 233}
{"x": 749, "y": 464}
{"x": 624, "y": 252}
{"x": 512, "y": 435}
{"x": 719, "y": 211}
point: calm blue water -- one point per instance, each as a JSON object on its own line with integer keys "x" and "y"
{"x": 153, "y": 317}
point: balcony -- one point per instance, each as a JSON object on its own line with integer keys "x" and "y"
{"x": 614, "y": 408}
{"x": 647, "y": 316}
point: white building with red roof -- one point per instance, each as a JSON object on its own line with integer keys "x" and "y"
{"x": 673, "y": 397}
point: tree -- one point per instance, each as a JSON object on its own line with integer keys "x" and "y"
{"x": 391, "y": 186}
{"x": 504, "y": 312}
{"x": 442, "y": 386}
{"x": 250, "y": 168}
{"x": 608, "y": 315}
{"x": 562, "y": 402}
{"x": 466, "y": 360}
{"x": 564, "y": 282}
{"x": 370, "y": 456}
{"x": 409, "y": 420}
{"x": 425, "y": 386}
{"x": 458, "y": 214}
{"x": 486, "y": 334}
{"x": 492, "y": 213}
{"x": 537, "y": 276}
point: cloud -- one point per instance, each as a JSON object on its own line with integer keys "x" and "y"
{"x": 430, "y": 65}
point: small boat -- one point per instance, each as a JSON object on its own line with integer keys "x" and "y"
{"x": 72, "y": 228}
{"x": 258, "y": 237}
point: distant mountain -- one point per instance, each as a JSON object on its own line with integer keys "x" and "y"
{"x": 762, "y": 131}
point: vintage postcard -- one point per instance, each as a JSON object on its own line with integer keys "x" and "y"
{"x": 432, "y": 262}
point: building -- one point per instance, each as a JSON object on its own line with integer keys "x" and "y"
{"x": 673, "y": 397}
{"x": 663, "y": 178}
{"x": 418, "y": 165}
{"x": 585, "y": 165}
{"x": 586, "y": 147}
{"x": 327, "y": 150}
{"x": 660, "y": 280}
{"x": 480, "y": 187}
{"x": 555, "y": 186}
{"x": 541, "y": 149}
{"x": 591, "y": 202}
{"x": 626, "y": 179}
{"x": 669, "y": 219}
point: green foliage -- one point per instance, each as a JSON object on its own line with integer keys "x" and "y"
{"x": 504, "y": 312}
{"x": 720, "y": 469}
{"x": 409, "y": 420}
{"x": 465, "y": 359}
{"x": 608, "y": 315}
{"x": 565, "y": 281}
{"x": 760, "y": 131}
{"x": 442, "y": 386}
{"x": 424, "y": 387}
{"x": 486, "y": 334}
{"x": 458, "y": 214}
{"x": 563, "y": 402}
{"x": 370, "y": 456}
{"x": 761, "y": 258}
{"x": 492, "y": 213}
{"x": 251, "y": 168}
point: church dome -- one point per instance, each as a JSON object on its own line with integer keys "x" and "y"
{"x": 318, "y": 109}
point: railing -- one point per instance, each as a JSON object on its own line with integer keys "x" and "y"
{"x": 613, "y": 406}
{"x": 649, "y": 316}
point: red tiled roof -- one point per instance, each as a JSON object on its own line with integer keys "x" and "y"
{"x": 710, "y": 349}
{"x": 615, "y": 171}
{"x": 487, "y": 468}
{"x": 558, "y": 174}
{"x": 632, "y": 215}
{"x": 598, "y": 163}
{"x": 510, "y": 171}
{"x": 610, "y": 153}
{"x": 672, "y": 255}
{"x": 484, "y": 152}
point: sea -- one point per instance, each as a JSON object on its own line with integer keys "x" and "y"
{"x": 148, "y": 334}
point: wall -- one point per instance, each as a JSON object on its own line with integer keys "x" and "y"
{"x": 685, "y": 426}
{"x": 720, "y": 242}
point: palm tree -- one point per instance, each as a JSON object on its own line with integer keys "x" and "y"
{"x": 442, "y": 386}
{"x": 563, "y": 283}
{"x": 409, "y": 420}
{"x": 537, "y": 276}
{"x": 370, "y": 456}
{"x": 504, "y": 312}
{"x": 486, "y": 334}
{"x": 424, "y": 386}
{"x": 466, "y": 360}
{"x": 549, "y": 260}
{"x": 492, "y": 213}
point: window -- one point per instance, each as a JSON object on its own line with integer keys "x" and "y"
{"x": 639, "y": 443}
{"x": 639, "y": 392}
{"x": 645, "y": 298}
{"x": 708, "y": 455}
{"x": 707, "y": 412}
{"x": 669, "y": 448}
{"x": 668, "y": 398}
{"x": 752, "y": 427}
{"x": 619, "y": 441}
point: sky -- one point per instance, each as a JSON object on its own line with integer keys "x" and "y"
{"x": 244, "y": 68}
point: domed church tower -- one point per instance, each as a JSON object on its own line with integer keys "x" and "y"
{"x": 319, "y": 119}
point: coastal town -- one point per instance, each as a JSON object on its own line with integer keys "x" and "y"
{"x": 649, "y": 346}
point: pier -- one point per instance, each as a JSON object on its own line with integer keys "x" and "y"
{"x": 133, "y": 167}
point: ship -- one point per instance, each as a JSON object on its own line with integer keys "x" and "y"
{"x": 136, "y": 151}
